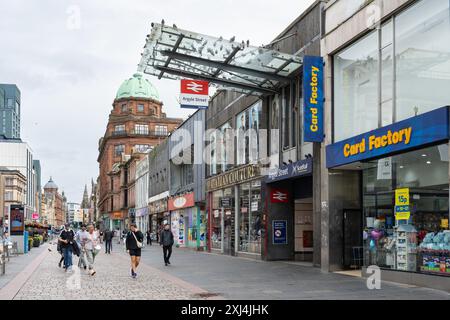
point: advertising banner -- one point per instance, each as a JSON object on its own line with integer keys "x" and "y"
{"x": 279, "y": 228}
{"x": 421, "y": 130}
{"x": 194, "y": 94}
{"x": 313, "y": 96}
{"x": 402, "y": 211}
{"x": 17, "y": 219}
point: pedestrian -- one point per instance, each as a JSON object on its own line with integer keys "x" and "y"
{"x": 107, "y": 237}
{"x": 80, "y": 237}
{"x": 67, "y": 241}
{"x": 92, "y": 247}
{"x": 59, "y": 249}
{"x": 149, "y": 237}
{"x": 166, "y": 240}
{"x": 134, "y": 244}
{"x": 101, "y": 235}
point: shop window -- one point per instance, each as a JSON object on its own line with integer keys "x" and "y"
{"x": 248, "y": 124}
{"x": 422, "y": 58}
{"x": 250, "y": 226}
{"x": 418, "y": 241}
{"x": 216, "y": 212}
{"x": 394, "y": 73}
{"x": 356, "y": 88}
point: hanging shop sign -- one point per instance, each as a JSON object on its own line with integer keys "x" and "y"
{"x": 292, "y": 170}
{"x": 180, "y": 202}
{"x": 233, "y": 177}
{"x": 279, "y": 196}
{"x": 194, "y": 94}
{"x": 17, "y": 219}
{"x": 279, "y": 228}
{"x": 402, "y": 211}
{"x": 313, "y": 98}
{"x": 425, "y": 129}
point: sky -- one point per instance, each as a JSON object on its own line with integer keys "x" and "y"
{"x": 68, "y": 59}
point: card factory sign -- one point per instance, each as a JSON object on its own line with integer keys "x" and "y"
{"x": 232, "y": 177}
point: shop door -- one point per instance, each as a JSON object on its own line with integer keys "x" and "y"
{"x": 352, "y": 238}
{"x": 228, "y": 234}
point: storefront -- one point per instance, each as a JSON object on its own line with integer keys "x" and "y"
{"x": 188, "y": 222}
{"x": 404, "y": 177}
{"x": 158, "y": 212}
{"x": 236, "y": 215}
{"x": 290, "y": 212}
{"x": 142, "y": 219}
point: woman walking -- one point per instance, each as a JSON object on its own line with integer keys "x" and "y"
{"x": 92, "y": 247}
{"x": 133, "y": 244}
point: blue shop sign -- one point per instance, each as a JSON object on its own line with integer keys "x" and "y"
{"x": 279, "y": 228}
{"x": 292, "y": 170}
{"x": 428, "y": 128}
{"x": 313, "y": 97}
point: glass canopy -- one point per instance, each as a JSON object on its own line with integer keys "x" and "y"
{"x": 174, "y": 53}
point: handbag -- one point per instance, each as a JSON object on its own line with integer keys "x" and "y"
{"x": 138, "y": 243}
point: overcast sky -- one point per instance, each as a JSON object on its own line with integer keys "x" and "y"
{"x": 69, "y": 58}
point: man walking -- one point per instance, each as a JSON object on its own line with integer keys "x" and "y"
{"x": 149, "y": 237}
{"x": 108, "y": 240}
{"x": 67, "y": 241}
{"x": 166, "y": 239}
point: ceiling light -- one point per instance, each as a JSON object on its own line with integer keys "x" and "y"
{"x": 428, "y": 162}
{"x": 401, "y": 167}
{"x": 424, "y": 155}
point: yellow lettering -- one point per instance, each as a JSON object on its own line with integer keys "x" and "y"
{"x": 408, "y": 133}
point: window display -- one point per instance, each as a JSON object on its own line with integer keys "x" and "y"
{"x": 412, "y": 237}
{"x": 250, "y": 225}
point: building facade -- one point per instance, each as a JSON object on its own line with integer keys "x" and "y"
{"x": 136, "y": 124}
{"x": 186, "y": 204}
{"x": 10, "y": 111}
{"x": 17, "y": 155}
{"x": 158, "y": 193}
{"x": 13, "y": 190}
{"x": 141, "y": 192}
{"x": 384, "y": 185}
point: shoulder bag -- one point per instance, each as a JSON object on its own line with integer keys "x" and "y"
{"x": 138, "y": 243}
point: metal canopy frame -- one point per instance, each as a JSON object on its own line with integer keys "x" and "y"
{"x": 172, "y": 53}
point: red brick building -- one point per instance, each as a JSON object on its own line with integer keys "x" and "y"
{"x": 136, "y": 124}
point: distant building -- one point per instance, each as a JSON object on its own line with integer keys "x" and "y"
{"x": 17, "y": 155}
{"x": 136, "y": 124}
{"x": 10, "y": 111}
{"x": 12, "y": 190}
{"x": 54, "y": 205}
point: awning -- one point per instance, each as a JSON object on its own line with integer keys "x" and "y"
{"x": 173, "y": 53}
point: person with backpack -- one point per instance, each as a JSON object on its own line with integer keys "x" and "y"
{"x": 167, "y": 241}
{"x": 133, "y": 243}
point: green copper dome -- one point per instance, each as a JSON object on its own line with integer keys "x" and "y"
{"x": 137, "y": 87}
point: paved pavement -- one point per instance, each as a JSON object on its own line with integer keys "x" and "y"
{"x": 18, "y": 263}
{"x": 194, "y": 275}
{"x": 238, "y": 278}
{"x": 112, "y": 282}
